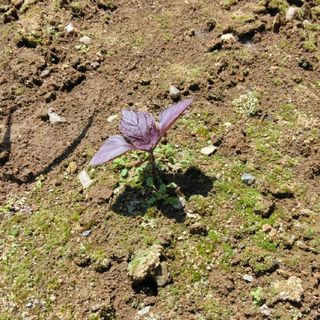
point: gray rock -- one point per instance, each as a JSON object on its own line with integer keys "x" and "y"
{"x": 228, "y": 37}
{"x": 86, "y": 233}
{"x": 247, "y": 278}
{"x": 174, "y": 93}
{"x": 289, "y": 290}
{"x": 85, "y": 40}
{"x": 265, "y": 310}
{"x": 85, "y": 180}
{"x": 144, "y": 311}
{"x": 248, "y": 178}
{"x": 44, "y": 73}
{"x": 95, "y": 64}
{"x": 145, "y": 262}
{"x": 209, "y": 150}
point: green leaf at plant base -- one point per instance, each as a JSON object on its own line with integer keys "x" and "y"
{"x": 150, "y": 182}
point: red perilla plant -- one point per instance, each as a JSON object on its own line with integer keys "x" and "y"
{"x": 139, "y": 132}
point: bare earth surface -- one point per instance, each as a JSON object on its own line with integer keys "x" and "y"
{"x": 231, "y": 233}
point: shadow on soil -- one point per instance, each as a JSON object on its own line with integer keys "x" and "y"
{"x": 134, "y": 201}
{"x": 5, "y": 145}
{"x": 32, "y": 177}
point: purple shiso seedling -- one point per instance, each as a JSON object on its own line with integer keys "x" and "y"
{"x": 139, "y": 132}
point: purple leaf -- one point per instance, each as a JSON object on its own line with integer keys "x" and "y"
{"x": 112, "y": 148}
{"x": 140, "y": 129}
{"x": 168, "y": 116}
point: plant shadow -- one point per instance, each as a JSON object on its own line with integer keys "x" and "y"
{"x": 135, "y": 201}
{"x": 5, "y": 144}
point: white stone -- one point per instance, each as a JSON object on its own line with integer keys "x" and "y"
{"x": 144, "y": 311}
{"x": 112, "y": 118}
{"x": 247, "y": 278}
{"x": 69, "y": 28}
{"x": 85, "y": 180}
{"x": 291, "y": 13}
{"x": 85, "y": 40}
{"x": 228, "y": 37}
{"x": 208, "y": 150}
{"x": 54, "y": 118}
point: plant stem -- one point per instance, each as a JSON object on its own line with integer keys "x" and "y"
{"x": 153, "y": 163}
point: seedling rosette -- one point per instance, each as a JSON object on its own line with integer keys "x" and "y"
{"x": 139, "y": 132}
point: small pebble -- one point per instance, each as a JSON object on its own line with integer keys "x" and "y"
{"x": 86, "y": 233}
{"x": 228, "y": 37}
{"x": 112, "y": 118}
{"x": 144, "y": 311}
{"x": 208, "y": 150}
{"x": 192, "y": 215}
{"x": 69, "y": 28}
{"x": 248, "y": 178}
{"x": 44, "y": 73}
{"x": 85, "y": 180}
{"x": 247, "y": 278}
{"x": 85, "y": 40}
{"x": 54, "y": 118}
{"x": 72, "y": 167}
{"x": 291, "y": 13}
{"x": 264, "y": 309}
{"x": 174, "y": 93}
{"x": 307, "y": 212}
{"x": 306, "y": 22}
{"x": 95, "y": 64}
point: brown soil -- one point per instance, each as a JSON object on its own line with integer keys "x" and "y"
{"x": 138, "y": 49}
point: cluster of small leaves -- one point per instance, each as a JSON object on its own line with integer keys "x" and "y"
{"x": 140, "y": 176}
{"x": 162, "y": 194}
{"x": 257, "y": 295}
{"x": 171, "y": 156}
